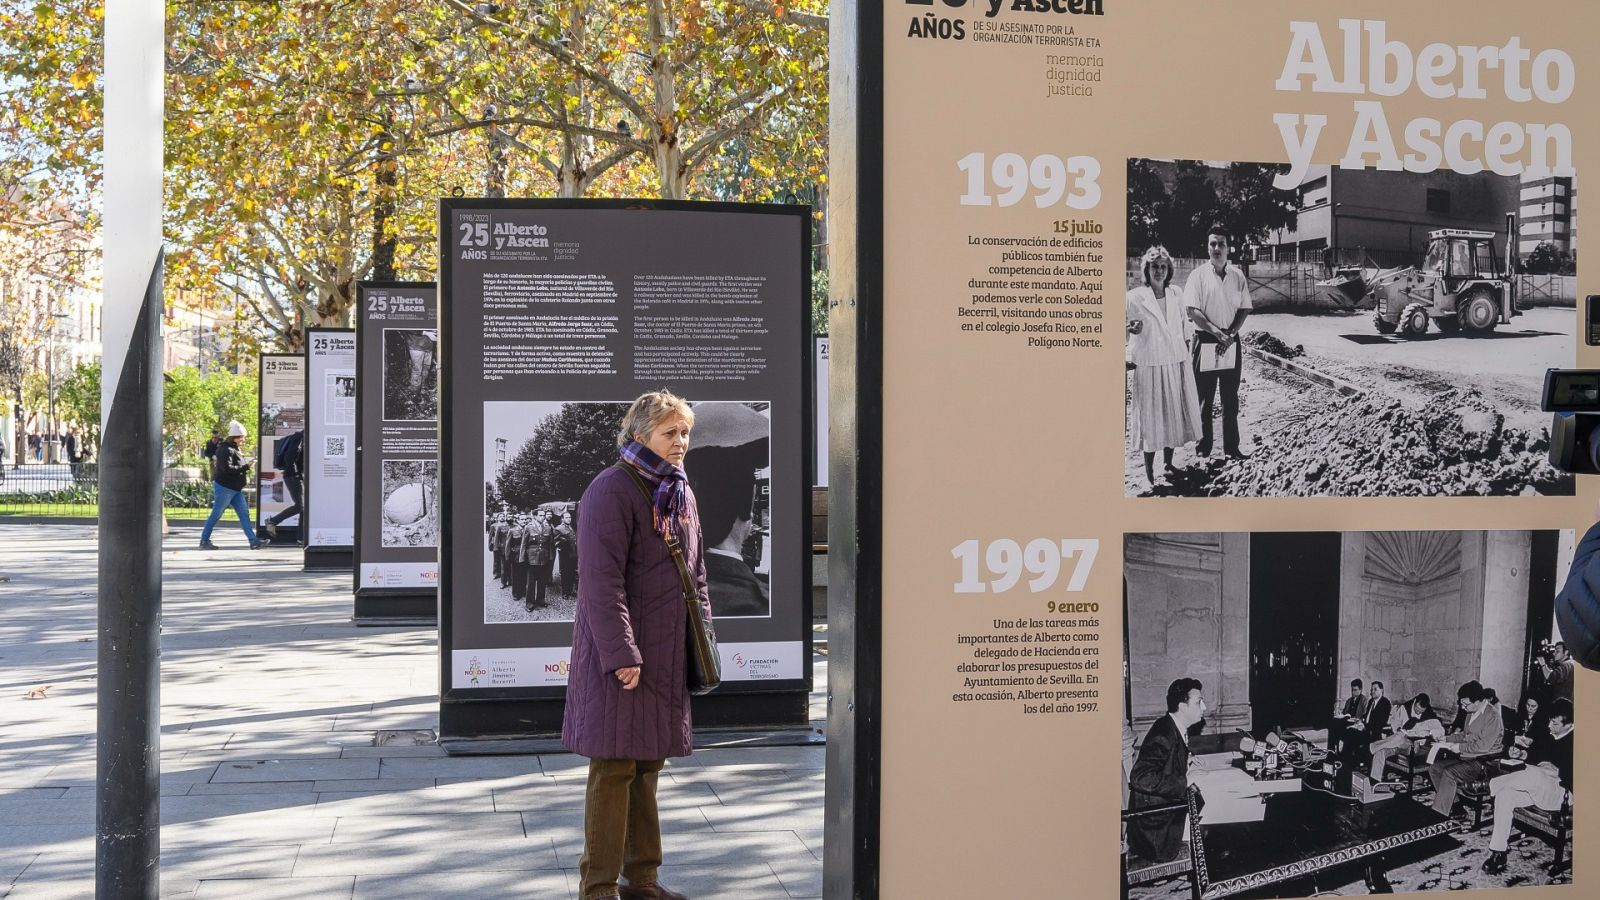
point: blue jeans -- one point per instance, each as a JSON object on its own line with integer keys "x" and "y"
{"x": 222, "y": 498}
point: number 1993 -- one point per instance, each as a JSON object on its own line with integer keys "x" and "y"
{"x": 1076, "y": 179}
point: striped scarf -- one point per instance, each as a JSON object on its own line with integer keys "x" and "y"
{"x": 671, "y": 499}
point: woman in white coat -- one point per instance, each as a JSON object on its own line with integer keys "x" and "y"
{"x": 1166, "y": 404}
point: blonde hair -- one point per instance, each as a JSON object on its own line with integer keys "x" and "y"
{"x": 1154, "y": 253}
{"x": 648, "y": 412}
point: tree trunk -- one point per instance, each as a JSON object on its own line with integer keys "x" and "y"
{"x": 494, "y": 179}
{"x": 385, "y": 181}
{"x": 576, "y": 149}
{"x": 671, "y": 167}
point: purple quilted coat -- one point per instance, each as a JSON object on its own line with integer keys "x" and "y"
{"x": 630, "y": 612}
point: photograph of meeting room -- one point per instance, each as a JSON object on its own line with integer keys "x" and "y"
{"x": 1327, "y": 713}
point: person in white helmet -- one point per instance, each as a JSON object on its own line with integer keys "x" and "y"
{"x": 228, "y": 488}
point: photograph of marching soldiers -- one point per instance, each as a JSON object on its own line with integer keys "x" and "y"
{"x": 1360, "y": 334}
{"x": 542, "y": 455}
{"x": 1343, "y": 713}
{"x": 410, "y": 374}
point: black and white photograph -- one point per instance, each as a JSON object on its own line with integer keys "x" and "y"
{"x": 1361, "y": 334}
{"x": 410, "y": 374}
{"x": 1341, "y": 713}
{"x": 410, "y": 505}
{"x": 542, "y": 455}
{"x": 339, "y": 399}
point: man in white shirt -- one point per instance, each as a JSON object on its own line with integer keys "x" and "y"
{"x": 1218, "y": 299}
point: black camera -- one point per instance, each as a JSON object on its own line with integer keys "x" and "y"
{"x": 1573, "y": 395}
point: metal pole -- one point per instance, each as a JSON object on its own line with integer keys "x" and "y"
{"x": 128, "y": 774}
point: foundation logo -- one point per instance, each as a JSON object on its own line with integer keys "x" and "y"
{"x": 376, "y": 577}
{"x": 475, "y": 670}
{"x": 560, "y": 667}
{"x": 738, "y": 660}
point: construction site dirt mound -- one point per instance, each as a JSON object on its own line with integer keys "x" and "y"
{"x": 1264, "y": 340}
{"x": 1368, "y": 446}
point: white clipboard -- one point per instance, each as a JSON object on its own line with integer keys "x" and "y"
{"x": 1215, "y": 359}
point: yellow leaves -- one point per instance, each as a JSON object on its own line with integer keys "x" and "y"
{"x": 82, "y": 78}
{"x": 342, "y": 66}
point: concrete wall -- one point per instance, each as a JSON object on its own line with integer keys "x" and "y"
{"x": 1190, "y": 617}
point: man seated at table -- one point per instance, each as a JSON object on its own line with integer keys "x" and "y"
{"x": 1161, "y": 774}
{"x": 1371, "y": 726}
{"x": 1480, "y": 739}
{"x": 1353, "y": 711}
{"x": 1421, "y": 724}
{"x": 1543, "y": 782}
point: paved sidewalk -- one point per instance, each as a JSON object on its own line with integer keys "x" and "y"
{"x": 297, "y": 759}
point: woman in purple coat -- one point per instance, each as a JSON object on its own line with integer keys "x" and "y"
{"x": 627, "y": 694}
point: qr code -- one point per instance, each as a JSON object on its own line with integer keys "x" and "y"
{"x": 334, "y": 446}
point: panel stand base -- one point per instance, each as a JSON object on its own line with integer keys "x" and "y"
{"x": 397, "y": 609}
{"x": 732, "y": 718}
{"x": 323, "y": 559}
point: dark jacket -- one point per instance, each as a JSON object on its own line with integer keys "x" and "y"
{"x": 1160, "y": 777}
{"x": 288, "y": 458}
{"x": 630, "y": 612}
{"x": 1547, "y": 749}
{"x": 735, "y": 590}
{"x": 231, "y": 468}
{"x": 1377, "y": 718}
{"x": 1578, "y": 604}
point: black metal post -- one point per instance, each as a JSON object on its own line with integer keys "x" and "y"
{"x": 128, "y": 775}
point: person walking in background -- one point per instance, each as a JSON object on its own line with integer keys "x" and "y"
{"x": 627, "y": 695}
{"x": 1218, "y": 299}
{"x": 210, "y": 451}
{"x": 1166, "y": 402}
{"x": 228, "y": 488}
{"x": 287, "y": 460}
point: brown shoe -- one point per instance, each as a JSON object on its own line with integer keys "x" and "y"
{"x": 654, "y": 891}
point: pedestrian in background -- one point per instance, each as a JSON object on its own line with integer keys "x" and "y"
{"x": 210, "y": 452}
{"x": 227, "y": 488}
{"x": 627, "y": 694}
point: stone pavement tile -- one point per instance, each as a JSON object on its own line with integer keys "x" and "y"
{"x": 46, "y": 812}
{"x": 12, "y": 862}
{"x": 687, "y": 847}
{"x": 483, "y": 885}
{"x": 801, "y": 877}
{"x": 564, "y": 764}
{"x": 337, "y": 888}
{"x": 764, "y": 816}
{"x": 296, "y": 827}
{"x": 732, "y": 790}
{"x": 392, "y": 752}
{"x": 411, "y": 857}
{"x": 16, "y": 777}
{"x": 446, "y": 828}
{"x": 461, "y": 766}
{"x": 178, "y": 810}
{"x": 13, "y": 837}
{"x": 746, "y": 880}
{"x": 452, "y": 800}
{"x": 61, "y": 869}
{"x": 187, "y": 866}
{"x": 48, "y": 793}
{"x": 372, "y": 785}
{"x": 389, "y": 721}
{"x": 296, "y": 770}
{"x": 812, "y": 838}
{"x": 252, "y": 787}
{"x": 78, "y": 889}
{"x": 753, "y": 758}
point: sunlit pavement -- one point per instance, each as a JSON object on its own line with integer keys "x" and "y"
{"x": 297, "y": 759}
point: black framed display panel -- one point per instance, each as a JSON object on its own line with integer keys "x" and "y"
{"x": 506, "y": 712}
{"x": 265, "y": 445}
{"x": 334, "y": 556}
{"x": 375, "y": 603}
{"x": 852, "y": 810}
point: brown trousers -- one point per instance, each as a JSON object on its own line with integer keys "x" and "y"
{"x": 621, "y": 826}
